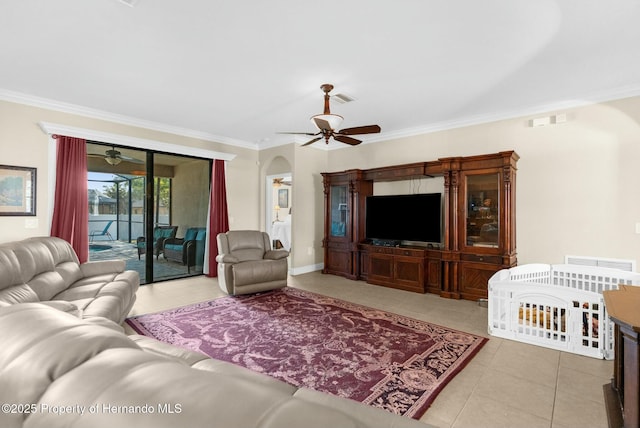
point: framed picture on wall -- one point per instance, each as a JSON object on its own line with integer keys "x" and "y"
{"x": 283, "y": 198}
{"x": 17, "y": 191}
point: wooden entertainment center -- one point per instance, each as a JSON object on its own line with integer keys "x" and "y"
{"x": 478, "y": 223}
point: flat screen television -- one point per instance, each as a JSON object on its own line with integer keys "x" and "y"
{"x": 416, "y": 217}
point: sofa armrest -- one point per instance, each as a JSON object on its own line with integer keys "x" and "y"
{"x": 276, "y": 254}
{"x": 101, "y": 267}
{"x": 226, "y": 258}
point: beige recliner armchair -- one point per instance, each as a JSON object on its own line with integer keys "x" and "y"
{"x": 247, "y": 264}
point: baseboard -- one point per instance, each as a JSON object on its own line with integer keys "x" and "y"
{"x": 306, "y": 269}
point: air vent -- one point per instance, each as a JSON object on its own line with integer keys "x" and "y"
{"x": 342, "y": 98}
{"x": 628, "y": 265}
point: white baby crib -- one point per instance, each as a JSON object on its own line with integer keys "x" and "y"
{"x": 556, "y": 306}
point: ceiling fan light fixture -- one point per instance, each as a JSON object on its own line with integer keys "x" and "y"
{"x": 113, "y": 160}
{"x": 334, "y": 121}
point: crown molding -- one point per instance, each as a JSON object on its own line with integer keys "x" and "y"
{"x": 63, "y": 107}
{"x": 594, "y": 98}
{"x": 133, "y": 142}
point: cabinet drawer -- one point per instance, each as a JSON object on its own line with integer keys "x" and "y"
{"x": 381, "y": 250}
{"x": 482, "y": 258}
{"x": 409, "y": 252}
{"x": 397, "y": 251}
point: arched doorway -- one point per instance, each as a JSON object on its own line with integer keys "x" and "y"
{"x": 278, "y": 202}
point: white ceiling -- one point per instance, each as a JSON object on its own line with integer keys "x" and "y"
{"x": 240, "y": 71}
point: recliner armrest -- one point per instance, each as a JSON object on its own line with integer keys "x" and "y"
{"x": 276, "y": 254}
{"x": 226, "y": 258}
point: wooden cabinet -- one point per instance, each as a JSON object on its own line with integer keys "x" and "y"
{"x": 478, "y": 219}
{"x": 345, "y": 196}
{"x": 622, "y": 396}
{"x": 397, "y": 267}
{"x": 482, "y": 234}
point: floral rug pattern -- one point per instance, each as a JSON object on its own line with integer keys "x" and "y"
{"x": 322, "y": 343}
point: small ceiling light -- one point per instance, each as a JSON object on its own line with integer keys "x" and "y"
{"x": 327, "y": 122}
{"x": 113, "y": 160}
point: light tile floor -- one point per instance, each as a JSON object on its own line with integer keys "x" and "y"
{"x": 507, "y": 384}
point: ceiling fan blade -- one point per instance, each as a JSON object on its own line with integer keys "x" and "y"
{"x": 369, "y": 129}
{"x": 311, "y": 134}
{"x": 95, "y": 155}
{"x": 311, "y": 141}
{"x": 132, "y": 160}
{"x": 347, "y": 140}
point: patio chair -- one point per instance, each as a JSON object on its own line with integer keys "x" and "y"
{"x": 160, "y": 233}
{"x": 188, "y": 250}
{"x": 105, "y": 232}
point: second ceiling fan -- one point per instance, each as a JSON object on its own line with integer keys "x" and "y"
{"x": 328, "y": 122}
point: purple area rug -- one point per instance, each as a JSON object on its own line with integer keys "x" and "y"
{"x": 385, "y": 360}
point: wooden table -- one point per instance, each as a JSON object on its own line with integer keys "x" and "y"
{"x": 622, "y": 394}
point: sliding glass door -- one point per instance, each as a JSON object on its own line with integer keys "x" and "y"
{"x": 148, "y": 208}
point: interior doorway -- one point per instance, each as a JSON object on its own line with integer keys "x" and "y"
{"x": 278, "y": 209}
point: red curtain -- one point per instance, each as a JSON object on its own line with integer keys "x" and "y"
{"x": 218, "y": 214}
{"x": 71, "y": 206}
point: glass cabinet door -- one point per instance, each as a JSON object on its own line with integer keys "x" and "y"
{"x": 482, "y": 218}
{"x": 339, "y": 210}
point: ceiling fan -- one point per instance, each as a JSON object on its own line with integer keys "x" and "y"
{"x": 114, "y": 157}
{"x": 327, "y": 124}
{"x": 277, "y": 182}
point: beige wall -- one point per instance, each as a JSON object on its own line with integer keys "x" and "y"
{"x": 190, "y": 195}
{"x": 577, "y": 182}
{"x": 308, "y": 207}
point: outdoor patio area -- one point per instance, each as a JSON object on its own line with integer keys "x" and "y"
{"x": 162, "y": 269}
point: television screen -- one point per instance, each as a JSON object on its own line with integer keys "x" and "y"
{"x": 414, "y": 217}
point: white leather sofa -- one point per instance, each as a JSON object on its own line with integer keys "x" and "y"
{"x": 46, "y": 269}
{"x": 58, "y": 370}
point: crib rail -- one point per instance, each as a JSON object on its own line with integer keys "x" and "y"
{"x": 595, "y": 279}
{"x": 556, "y": 306}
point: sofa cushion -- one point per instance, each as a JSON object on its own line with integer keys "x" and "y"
{"x": 21, "y": 293}
{"x": 10, "y": 273}
{"x": 108, "y": 295}
{"x": 246, "y": 245}
{"x": 191, "y": 233}
{"x": 173, "y": 247}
